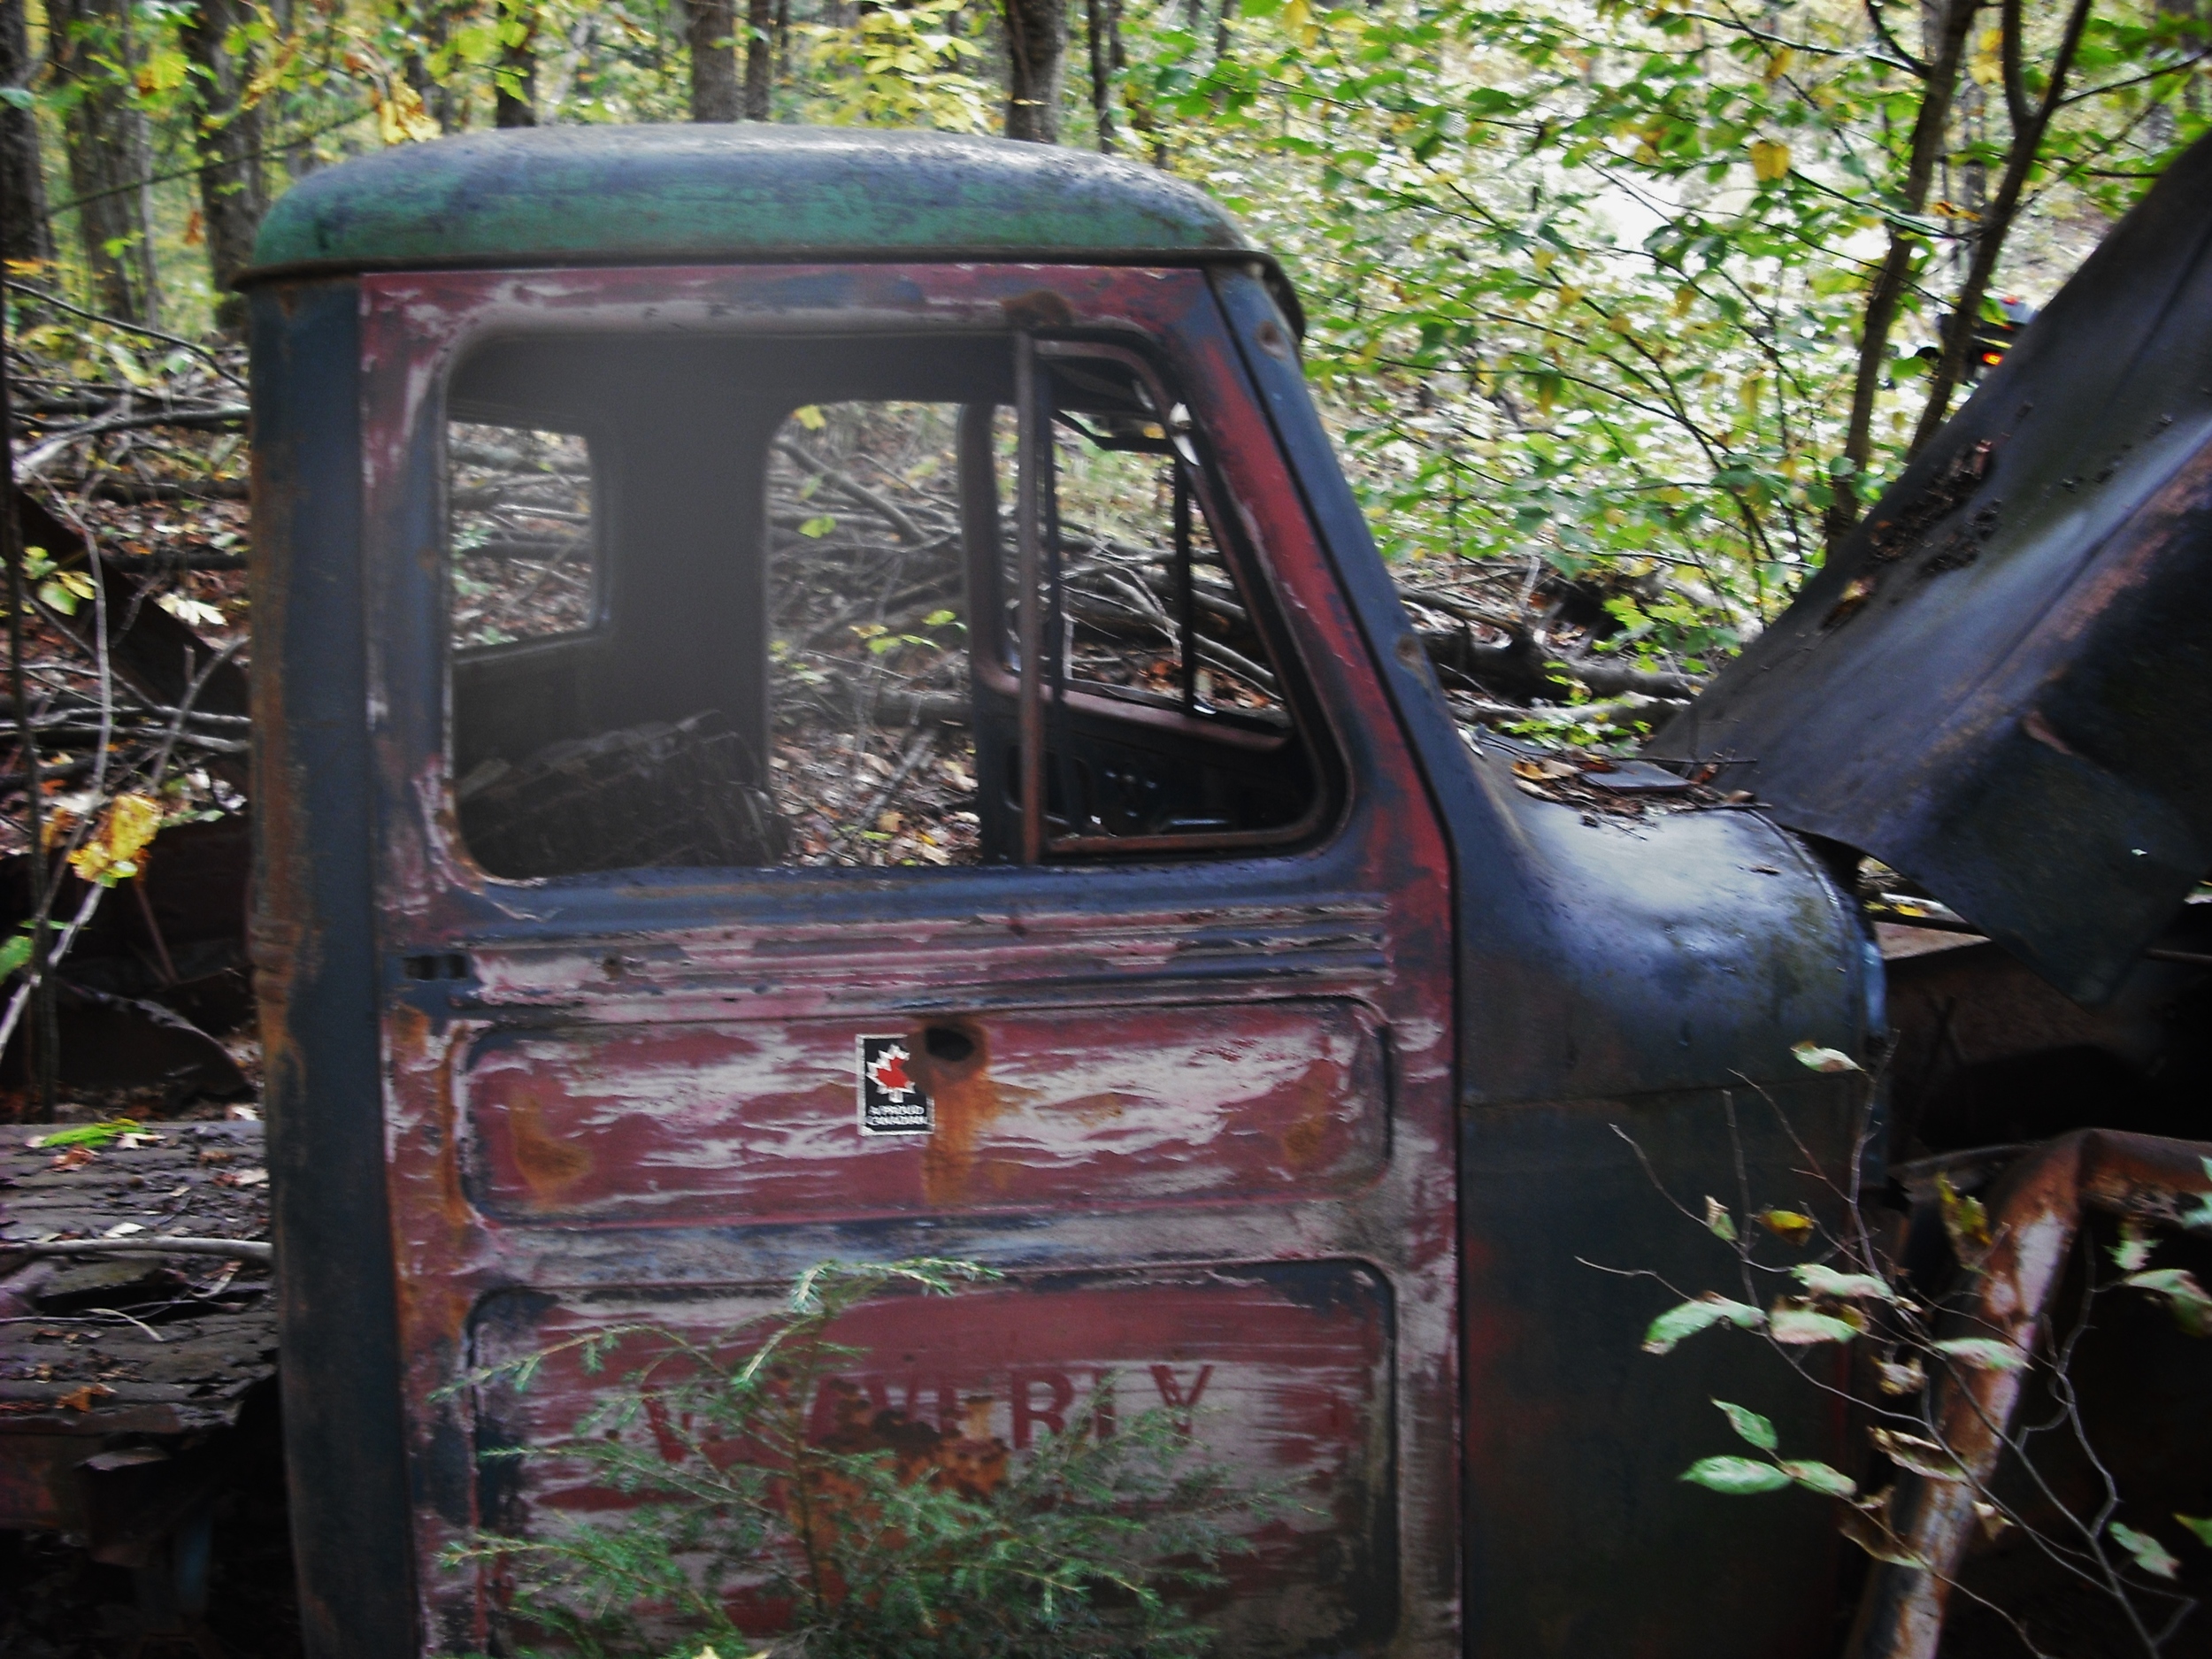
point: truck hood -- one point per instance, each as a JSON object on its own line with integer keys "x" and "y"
{"x": 2001, "y": 685}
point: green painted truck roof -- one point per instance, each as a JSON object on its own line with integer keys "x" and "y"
{"x": 592, "y": 195}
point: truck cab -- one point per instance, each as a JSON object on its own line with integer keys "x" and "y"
{"x": 822, "y": 695}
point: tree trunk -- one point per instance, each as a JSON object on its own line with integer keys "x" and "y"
{"x": 232, "y": 195}
{"x": 24, "y": 235}
{"x": 97, "y": 128}
{"x": 1945, "y": 48}
{"x": 2029, "y": 122}
{"x": 515, "y": 88}
{"x": 1036, "y": 53}
{"x": 432, "y": 22}
{"x": 1100, "y": 19}
{"x": 762, "y": 32}
{"x": 141, "y": 169}
{"x": 707, "y": 27}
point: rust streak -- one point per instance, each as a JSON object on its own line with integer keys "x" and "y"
{"x": 551, "y": 1165}
{"x": 967, "y": 1101}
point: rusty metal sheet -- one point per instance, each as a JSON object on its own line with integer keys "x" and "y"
{"x": 660, "y": 1122}
{"x": 1283, "y": 1371}
{"x": 1646, "y": 981}
{"x": 1114, "y": 1115}
{"x": 2000, "y": 684}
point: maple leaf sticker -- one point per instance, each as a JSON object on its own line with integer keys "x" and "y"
{"x": 892, "y": 1100}
{"x": 888, "y": 1073}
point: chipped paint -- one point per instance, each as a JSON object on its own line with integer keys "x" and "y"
{"x": 1100, "y": 1107}
{"x": 1240, "y": 1068}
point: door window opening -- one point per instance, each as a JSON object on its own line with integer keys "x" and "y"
{"x": 872, "y": 755}
{"x": 774, "y": 614}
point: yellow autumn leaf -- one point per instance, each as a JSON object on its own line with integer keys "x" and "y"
{"x": 1987, "y": 64}
{"x": 400, "y": 117}
{"x": 110, "y": 854}
{"x": 1770, "y": 160}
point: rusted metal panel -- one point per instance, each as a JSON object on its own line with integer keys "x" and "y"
{"x": 1283, "y": 1371}
{"x": 721, "y": 1123}
{"x": 1287, "y": 1113}
{"x": 1993, "y": 685}
{"x": 1335, "y": 961}
{"x": 315, "y": 973}
{"x": 1582, "y": 1539}
{"x": 1644, "y": 982}
{"x": 2035, "y": 1213}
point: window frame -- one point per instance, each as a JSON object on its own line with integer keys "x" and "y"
{"x": 1328, "y": 810}
{"x": 1033, "y": 435}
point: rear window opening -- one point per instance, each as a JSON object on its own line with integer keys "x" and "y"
{"x": 770, "y": 612}
{"x": 521, "y": 533}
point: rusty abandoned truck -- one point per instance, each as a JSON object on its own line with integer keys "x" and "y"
{"x": 823, "y": 695}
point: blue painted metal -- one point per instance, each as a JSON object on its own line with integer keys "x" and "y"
{"x": 1626, "y": 1001}
{"x": 1998, "y": 685}
{"x": 316, "y": 971}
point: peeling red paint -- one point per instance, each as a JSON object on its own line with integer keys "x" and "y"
{"x": 1212, "y": 1089}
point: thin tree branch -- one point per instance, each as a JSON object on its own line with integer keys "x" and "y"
{"x": 1896, "y": 47}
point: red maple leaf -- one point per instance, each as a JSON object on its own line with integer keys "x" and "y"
{"x": 890, "y": 1073}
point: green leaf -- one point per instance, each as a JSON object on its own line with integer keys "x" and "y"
{"x": 2197, "y": 1216}
{"x": 1718, "y": 1222}
{"x": 1735, "y": 1476}
{"x": 2151, "y": 1555}
{"x": 1863, "y": 1524}
{"x": 2192, "y": 1307}
{"x": 1801, "y": 1326}
{"x": 1825, "y": 1281}
{"x": 2199, "y": 1525}
{"x": 1983, "y": 1353}
{"x": 2133, "y": 1254}
{"x": 1690, "y": 1318}
{"x": 15, "y": 955}
{"x": 1895, "y": 1377}
{"x": 1921, "y": 1456}
{"x": 819, "y": 526}
{"x": 1965, "y": 1220}
{"x": 93, "y": 1136}
{"x": 1830, "y": 1483}
{"x": 1749, "y": 1424}
{"x": 1810, "y": 1055}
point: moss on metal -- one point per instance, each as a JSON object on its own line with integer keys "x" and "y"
{"x": 590, "y": 194}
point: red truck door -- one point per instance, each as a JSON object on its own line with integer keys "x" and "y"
{"x": 875, "y": 763}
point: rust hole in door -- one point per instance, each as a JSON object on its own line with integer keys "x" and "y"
{"x": 956, "y": 1068}
{"x": 949, "y": 1043}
